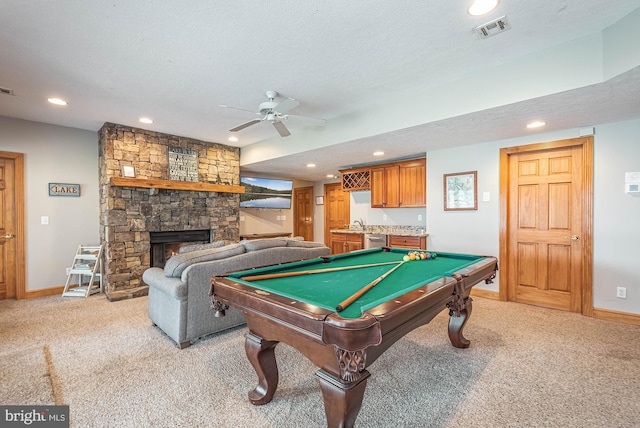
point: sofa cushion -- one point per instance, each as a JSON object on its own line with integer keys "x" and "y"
{"x": 196, "y": 247}
{"x": 176, "y": 264}
{"x": 261, "y": 244}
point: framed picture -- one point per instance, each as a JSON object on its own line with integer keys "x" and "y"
{"x": 461, "y": 191}
{"x": 128, "y": 171}
{"x": 319, "y": 200}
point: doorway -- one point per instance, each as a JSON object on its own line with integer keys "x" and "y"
{"x": 336, "y": 210}
{"x": 546, "y": 208}
{"x": 12, "y": 251}
{"x": 303, "y": 212}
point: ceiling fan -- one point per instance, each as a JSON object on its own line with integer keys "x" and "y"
{"x": 271, "y": 111}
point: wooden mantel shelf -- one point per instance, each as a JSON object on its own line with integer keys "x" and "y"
{"x": 174, "y": 185}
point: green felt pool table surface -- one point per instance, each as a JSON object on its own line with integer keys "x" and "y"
{"x": 328, "y": 289}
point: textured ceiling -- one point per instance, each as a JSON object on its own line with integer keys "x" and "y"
{"x": 363, "y": 67}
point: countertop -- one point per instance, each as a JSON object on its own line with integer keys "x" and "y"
{"x": 385, "y": 230}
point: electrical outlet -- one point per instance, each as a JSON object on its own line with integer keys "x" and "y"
{"x": 68, "y": 271}
{"x": 621, "y": 292}
{"x": 419, "y": 217}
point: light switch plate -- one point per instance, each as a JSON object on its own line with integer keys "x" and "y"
{"x": 486, "y": 196}
{"x": 44, "y": 219}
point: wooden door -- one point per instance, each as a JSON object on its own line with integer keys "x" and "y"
{"x": 336, "y": 210}
{"x": 11, "y": 226}
{"x": 303, "y": 212}
{"x": 548, "y": 215}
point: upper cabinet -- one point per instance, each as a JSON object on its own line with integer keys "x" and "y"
{"x": 399, "y": 185}
{"x": 413, "y": 184}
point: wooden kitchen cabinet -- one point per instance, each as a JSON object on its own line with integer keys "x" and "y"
{"x": 399, "y": 185}
{"x": 415, "y": 242}
{"x": 385, "y": 185}
{"x": 346, "y": 242}
{"x": 413, "y": 184}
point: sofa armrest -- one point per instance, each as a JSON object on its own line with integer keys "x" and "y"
{"x": 174, "y": 287}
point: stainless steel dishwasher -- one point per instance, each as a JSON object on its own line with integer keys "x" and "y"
{"x": 375, "y": 240}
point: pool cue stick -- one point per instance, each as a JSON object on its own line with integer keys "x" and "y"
{"x": 308, "y": 272}
{"x": 349, "y": 300}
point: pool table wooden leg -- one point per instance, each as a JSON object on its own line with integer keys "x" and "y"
{"x": 456, "y": 325}
{"x": 261, "y": 354}
{"x": 342, "y": 400}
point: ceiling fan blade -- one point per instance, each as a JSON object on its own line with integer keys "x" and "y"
{"x": 310, "y": 120}
{"x": 245, "y": 125}
{"x": 237, "y": 108}
{"x": 282, "y": 130}
{"x": 286, "y": 105}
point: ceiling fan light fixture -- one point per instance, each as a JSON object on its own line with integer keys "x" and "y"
{"x": 481, "y": 7}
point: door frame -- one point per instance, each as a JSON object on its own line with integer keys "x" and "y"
{"x": 586, "y": 235}
{"x": 18, "y": 159}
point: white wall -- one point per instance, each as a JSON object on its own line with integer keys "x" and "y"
{"x": 616, "y": 217}
{"x": 63, "y": 155}
{"x": 616, "y": 236}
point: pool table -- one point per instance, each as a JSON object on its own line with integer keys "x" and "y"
{"x": 302, "y": 311}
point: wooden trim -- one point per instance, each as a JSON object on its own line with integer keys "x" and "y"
{"x": 487, "y": 294}
{"x": 615, "y": 316}
{"x": 44, "y": 292}
{"x": 18, "y": 159}
{"x": 174, "y": 185}
{"x": 587, "y": 224}
{"x": 504, "y": 220}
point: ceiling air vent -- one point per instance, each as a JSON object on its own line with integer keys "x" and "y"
{"x": 491, "y": 28}
{"x": 6, "y": 91}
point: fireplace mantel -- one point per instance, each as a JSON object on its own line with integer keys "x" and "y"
{"x": 174, "y": 185}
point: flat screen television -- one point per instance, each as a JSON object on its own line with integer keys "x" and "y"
{"x": 266, "y": 193}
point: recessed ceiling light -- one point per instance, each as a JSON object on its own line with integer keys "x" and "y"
{"x": 232, "y": 138}
{"x": 378, "y": 153}
{"x": 57, "y": 101}
{"x": 331, "y": 176}
{"x": 536, "y": 124}
{"x": 145, "y": 120}
{"x": 482, "y": 7}
{"x": 311, "y": 165}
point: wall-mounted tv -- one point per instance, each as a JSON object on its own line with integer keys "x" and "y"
{"x": 266, "y": 193}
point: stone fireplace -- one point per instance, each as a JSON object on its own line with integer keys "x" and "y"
{"x": 128, "y": 213}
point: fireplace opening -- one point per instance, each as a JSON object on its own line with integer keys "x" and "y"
{"x": 166, "y": 244}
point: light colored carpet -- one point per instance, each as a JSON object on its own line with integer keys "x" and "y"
{"x": 526, "y": 367}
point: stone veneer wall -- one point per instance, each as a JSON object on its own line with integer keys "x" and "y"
{"x": 128, "y": 214}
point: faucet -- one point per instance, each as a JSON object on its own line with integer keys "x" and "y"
{"x": 360, "y": 222}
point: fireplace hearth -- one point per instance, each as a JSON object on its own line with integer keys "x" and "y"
{"x": 166, "y": 244}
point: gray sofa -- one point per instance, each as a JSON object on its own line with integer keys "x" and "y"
{"x": 178, "y": 294}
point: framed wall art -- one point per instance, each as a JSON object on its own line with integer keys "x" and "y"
{"x": 129, "y": 171}
{"x": 461, "y": 191}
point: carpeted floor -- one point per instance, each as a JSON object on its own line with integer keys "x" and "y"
{"x": 526, "y": 367}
